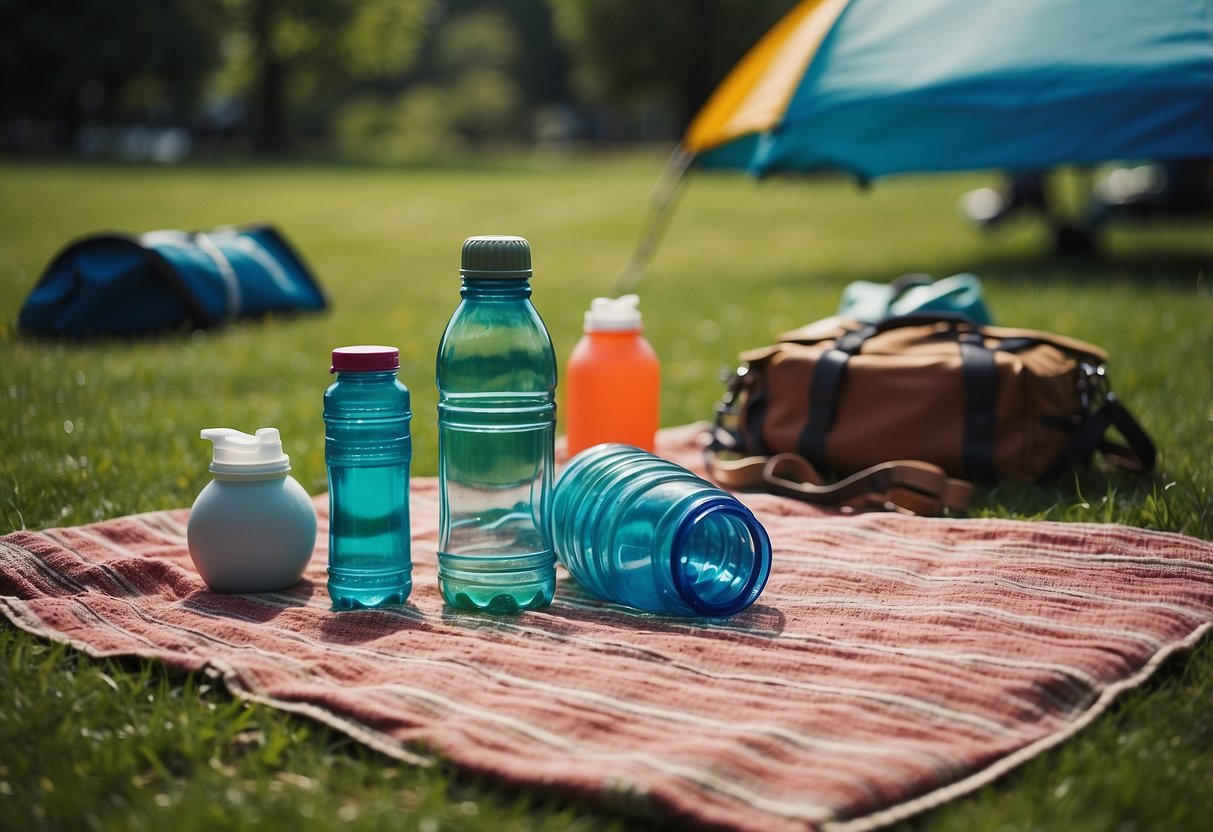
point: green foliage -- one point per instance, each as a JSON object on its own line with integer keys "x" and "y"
{"x": 412, "y": 128}
{"x": 381, "y": 38}
{"x": 301, "y": 51}
{"x": 364, "y": 73}
{"x": 72, "y": 61}
{"x": 97, "y": 430}
{"x": 479, "y": 38}
{"x": 670, "y": 53}
{"x": 471, "y": 95}
{"x": 477, "y": 54}
{"x": 326, "y": 41}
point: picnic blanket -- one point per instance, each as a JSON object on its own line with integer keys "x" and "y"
{"x": 893, "y": 662}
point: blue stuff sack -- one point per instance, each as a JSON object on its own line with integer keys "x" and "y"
{"x": 117, "y": 284}
{"x": 910, "y": 294}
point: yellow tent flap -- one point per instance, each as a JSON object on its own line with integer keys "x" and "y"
{"x": 755, "y": 93}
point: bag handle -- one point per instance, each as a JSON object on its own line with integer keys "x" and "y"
{"x": 907, "y": 486}
{"x": 1011, "y": 340}
{"x": 1138, "y": 455}
{"x": 956, "y": 319}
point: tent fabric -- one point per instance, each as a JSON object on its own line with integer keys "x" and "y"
{"x": 752, "y": 97}
{"x": 942, "y": 85}
{"x": 118, "y": 284}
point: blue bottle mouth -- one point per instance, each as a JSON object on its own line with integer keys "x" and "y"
{"x": 721, "y": 558}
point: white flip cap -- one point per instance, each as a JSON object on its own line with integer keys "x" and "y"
{"x": 239, "y": 453}
{"x": 613, "y": 313}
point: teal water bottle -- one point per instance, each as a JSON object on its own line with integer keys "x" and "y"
{"x": 367, "y": 449}
{"x": 639, "y": 530}
{"x": 496, "y": 375}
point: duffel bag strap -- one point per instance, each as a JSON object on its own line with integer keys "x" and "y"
{"x": 908, "y": 486}
{"x": 1138, "y": 455}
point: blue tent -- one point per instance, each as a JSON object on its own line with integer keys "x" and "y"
{"x": 876, "y": 87}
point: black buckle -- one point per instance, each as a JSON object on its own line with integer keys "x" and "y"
{"x": 1093, "y": 387}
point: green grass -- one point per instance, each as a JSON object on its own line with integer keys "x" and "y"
{"x": 106, "y": 429}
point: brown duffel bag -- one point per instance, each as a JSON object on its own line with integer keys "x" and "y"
{"x": 905, "y": 413}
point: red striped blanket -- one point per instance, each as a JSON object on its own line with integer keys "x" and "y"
{"x": 892, "y": 663}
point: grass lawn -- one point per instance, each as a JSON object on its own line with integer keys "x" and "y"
{"x": 101, "y": 430}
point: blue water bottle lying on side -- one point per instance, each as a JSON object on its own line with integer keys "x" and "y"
{"x": 639, "y": 530}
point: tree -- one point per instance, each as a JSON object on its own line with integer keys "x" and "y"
{"x": 489, "y": 75}
{"x": 668, "y": 52}
{"x": 294, "y": 50}
{"x": 65, "y": 61}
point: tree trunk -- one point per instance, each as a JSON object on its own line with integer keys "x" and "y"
{"x": 699, "y": 72}
{"x": 271, "y": 130}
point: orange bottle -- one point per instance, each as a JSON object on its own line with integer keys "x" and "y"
{"x": 613, "y": 379}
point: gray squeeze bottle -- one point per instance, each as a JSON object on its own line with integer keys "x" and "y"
{"x": 253, "y": 527}
{"x": 496, "y": 375}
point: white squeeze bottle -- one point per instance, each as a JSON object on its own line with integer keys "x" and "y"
{"x": 253, "y": 528}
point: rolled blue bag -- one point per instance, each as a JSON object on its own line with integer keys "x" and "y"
{"x": 644, "y": 532}
{"x": 123, "y": 284}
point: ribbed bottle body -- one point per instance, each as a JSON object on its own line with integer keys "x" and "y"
{"x": 368, "y": 450}
{"x": 642, "y": 531}
{"x": 496, "y": 375}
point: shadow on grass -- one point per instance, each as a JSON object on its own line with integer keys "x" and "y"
{"x": 1161, "y": 263}
{"x": 1162, "y": 500}
{"x": 182, "y": 331}
{"x": 1189, "y": 267}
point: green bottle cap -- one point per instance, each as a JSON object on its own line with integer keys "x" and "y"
{"x": 496, "y": 257}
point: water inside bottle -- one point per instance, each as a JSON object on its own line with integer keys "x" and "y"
{"x": 369, "y": 536}
{"x": 496, "y": 459}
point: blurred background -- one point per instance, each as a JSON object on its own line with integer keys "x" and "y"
{"x": 387, "y": 81}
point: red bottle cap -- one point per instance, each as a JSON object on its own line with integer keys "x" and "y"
{"x": 367, "y": 358}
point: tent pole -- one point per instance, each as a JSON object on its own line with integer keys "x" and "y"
{"x": 661, "y": 201}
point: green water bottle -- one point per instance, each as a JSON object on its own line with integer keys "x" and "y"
{"x": 496, "y": 376}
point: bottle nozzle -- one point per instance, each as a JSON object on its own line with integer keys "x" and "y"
{"x": 614, "y": 313}
{"x": 236, "y": 452}
{"x": 271, "y": 441}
